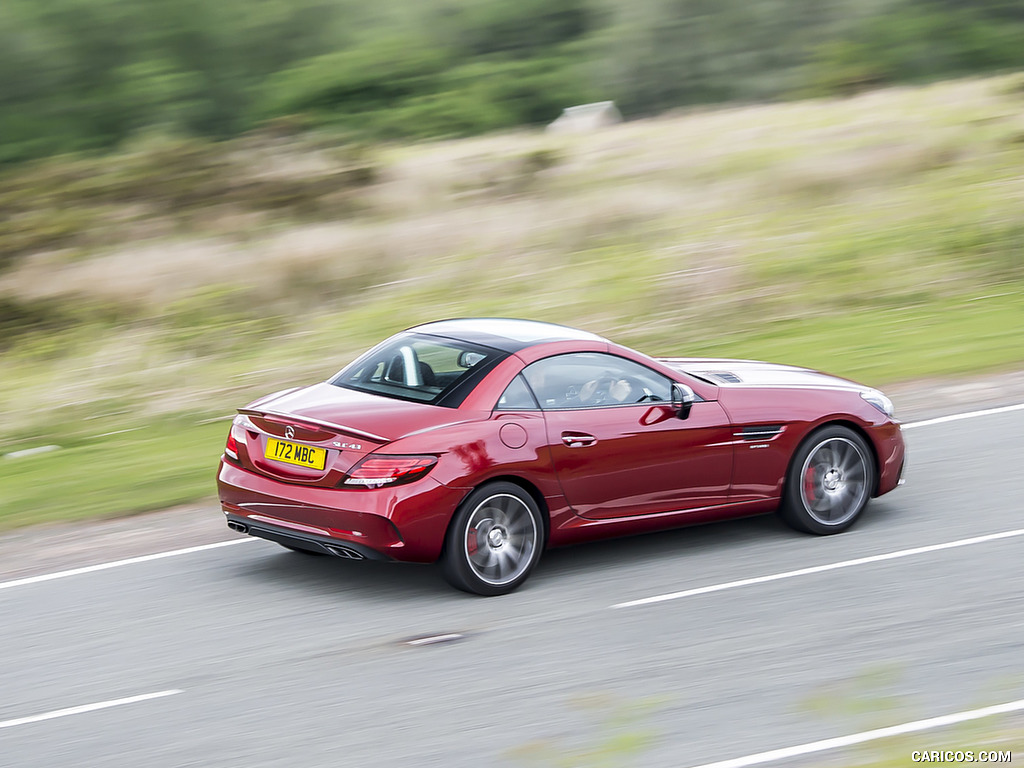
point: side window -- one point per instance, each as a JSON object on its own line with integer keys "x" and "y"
{"x": 594, "y": 380}
{"x": 517, "y": 397}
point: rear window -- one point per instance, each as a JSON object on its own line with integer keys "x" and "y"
{"x": 421, "y": 368}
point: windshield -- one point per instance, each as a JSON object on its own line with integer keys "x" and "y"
{"x": 422, "y": 368}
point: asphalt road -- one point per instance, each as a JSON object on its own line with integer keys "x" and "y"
{"x": 284, "y": 660}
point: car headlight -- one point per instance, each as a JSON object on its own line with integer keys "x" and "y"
{"x": 880, "y": 401}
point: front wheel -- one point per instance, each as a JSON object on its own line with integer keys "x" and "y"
{"x": 829, "y": 481}
{"x": 493, "y": 541}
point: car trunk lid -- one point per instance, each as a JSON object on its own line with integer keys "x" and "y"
{"x": 315, "y": 435}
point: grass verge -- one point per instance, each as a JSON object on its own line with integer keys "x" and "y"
{"x": 165, "y": 463}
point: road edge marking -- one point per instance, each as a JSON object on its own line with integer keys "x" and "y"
{"x": 859, "y": 738}
{"x": 820, "y": 568}
{"x": 118, "y": 563}
{"x": 87, "y": 708}
{"x": 968, "y": 415}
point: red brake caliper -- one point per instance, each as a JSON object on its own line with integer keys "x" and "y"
{"x": 471, "y": 541}
{"x": 809, "y": 483}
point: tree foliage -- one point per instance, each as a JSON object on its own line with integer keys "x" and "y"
{"x": 88, "y": 74}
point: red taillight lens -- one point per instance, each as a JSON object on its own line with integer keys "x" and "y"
{"x": 231, "y": 449}
{"x": 378, "y": 471}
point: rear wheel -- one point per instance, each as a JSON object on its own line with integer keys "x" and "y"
{"x": 494, "y": 540}
{"x": 829, "y": 482}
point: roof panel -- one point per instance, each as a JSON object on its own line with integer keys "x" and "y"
{"x": 503, "y": 333}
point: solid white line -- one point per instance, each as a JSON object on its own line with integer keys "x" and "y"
{"x": 118, "y": 563}
{"x": 87, "y": 708}
{"x": 823, "y": 568}
{"x": 968, "y": 415}
{"x": 860, "y": 738}
{"x": 435, "y": 639}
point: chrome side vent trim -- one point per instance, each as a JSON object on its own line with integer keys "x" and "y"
{"x": 760, "y": 433}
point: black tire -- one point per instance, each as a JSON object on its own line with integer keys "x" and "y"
{"x": 830, "y": 481}
{"x": 494, "y": 540}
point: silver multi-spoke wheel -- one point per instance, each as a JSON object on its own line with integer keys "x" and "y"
{"x": 494, "y": 540}
{"x": 830, "y": 481}
{"x": 834, "y": 479}
{"x": 501, "y": 536}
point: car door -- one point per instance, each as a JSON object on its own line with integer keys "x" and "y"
{"x": 616, "y": 444}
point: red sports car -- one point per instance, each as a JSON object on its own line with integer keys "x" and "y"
{"x": 481, "y": 442}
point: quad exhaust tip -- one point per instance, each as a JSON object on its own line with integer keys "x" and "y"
{"x": 345, "y": 552}
{"x": 333, "y": 549}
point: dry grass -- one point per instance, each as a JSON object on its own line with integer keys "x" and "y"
{"x": 686, "y": 232}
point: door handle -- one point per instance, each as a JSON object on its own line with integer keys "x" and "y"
{"x": 578, "y": 439}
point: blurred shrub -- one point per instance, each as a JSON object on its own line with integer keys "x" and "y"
{"x": 22, "y": 317}
{"x": 37, "y": 230}
{"x": 83, "y": 75}
{"x": 919, "y": 40}
{"x": 844, "y": 67}
{"x": 523, "y": 29}
{"x": 377, "y": 74}
{"x": 87, "y": 201}
{"x": 219, "y": 319}
{"x": 405, "y": 87}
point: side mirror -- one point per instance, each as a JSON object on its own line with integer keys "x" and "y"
{"x": 683, "y": 399}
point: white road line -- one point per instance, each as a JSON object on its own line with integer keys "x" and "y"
{"x": 822, "y": 568}
{"x": 87, "y": 708}
{"x": 968, "y": 415}
{"x": 118, "y": 563}
{"x": 860, "y": 738}
{"x": 433, "y": 640}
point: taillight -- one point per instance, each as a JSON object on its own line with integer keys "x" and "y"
{"x": 231, "y": 449}
{"x": 378, "y": 471}
{"x": 239, "y": 426}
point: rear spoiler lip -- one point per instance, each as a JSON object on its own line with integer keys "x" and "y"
{"x": 314, "y": 422}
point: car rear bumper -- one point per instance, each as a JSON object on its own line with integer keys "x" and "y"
{"x": 406, "y": 523}
{"x": 295, "y": 539}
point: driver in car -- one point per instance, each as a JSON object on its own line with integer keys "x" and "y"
{"x": 610, "y": 389}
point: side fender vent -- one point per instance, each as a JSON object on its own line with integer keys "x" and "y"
{"x": 760, "y": 433}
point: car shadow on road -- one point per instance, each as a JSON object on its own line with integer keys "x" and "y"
{"x": 720, "y": 537}
{"x": 348, "y": 578}
{"x": 369, "y": 580}
{"x": 723, "y": 538}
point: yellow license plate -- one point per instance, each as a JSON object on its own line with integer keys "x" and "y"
{"x": 291, "y": 453}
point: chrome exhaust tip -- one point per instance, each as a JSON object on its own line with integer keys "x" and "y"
{"x": 240, "y": 527}
{"x": 348, "y": 554}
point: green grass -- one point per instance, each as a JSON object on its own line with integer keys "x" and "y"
{"x": 881, "y": 346}
{"x": 878, "y": 237}
{"x": 166, "y": 463}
